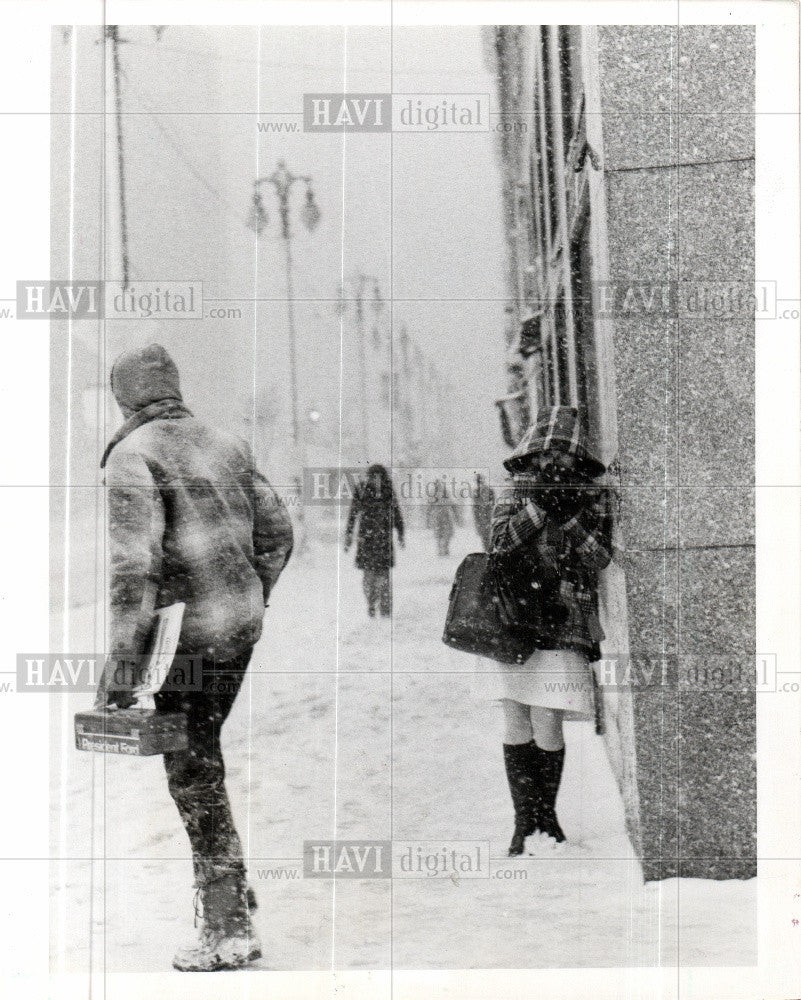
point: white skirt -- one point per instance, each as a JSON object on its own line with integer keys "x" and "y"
{"x": 550, "y": 678}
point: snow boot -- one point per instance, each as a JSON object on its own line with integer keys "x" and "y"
{"x": 522, "y": 773}
{"x": 550, "y": 764}
{"x": 227, "y": 938}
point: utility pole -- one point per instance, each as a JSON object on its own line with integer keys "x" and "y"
{"x": 290, "y": 293}
{"x": 365, "y": 439}
{"x": 113, "y": 35}
{"x": 111, "y": 41}
{"x": 360, "y": 284}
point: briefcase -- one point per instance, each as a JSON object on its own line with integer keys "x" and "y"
{"x": 476, "y": 621}
{"x": 131, "y": 732}
{"x": 141, "y": 730}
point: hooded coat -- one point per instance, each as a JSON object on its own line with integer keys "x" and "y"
{"x": 557, "y": 428}
{"x": 570, "y": 551}
{"x": 190, "y": 519}
{"x": 483, "y": 503}
{"x": 374, "y": 513}
{"x": 442, "y": 514}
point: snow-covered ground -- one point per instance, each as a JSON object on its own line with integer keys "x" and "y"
{"x": 353, "y": 728}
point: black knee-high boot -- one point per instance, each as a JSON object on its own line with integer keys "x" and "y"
{"x": 550, "y": 764}
{"x": 523, "y": 774}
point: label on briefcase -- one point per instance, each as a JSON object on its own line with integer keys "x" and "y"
{"x": 131, "y": 732}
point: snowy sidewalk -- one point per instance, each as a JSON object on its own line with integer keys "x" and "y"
{"x": 355, "y": 728}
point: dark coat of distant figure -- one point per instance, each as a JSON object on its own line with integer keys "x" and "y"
{"x": 483, "y": 502}
{"x": 442, "y": 516}
{"x": 374, "y": 513}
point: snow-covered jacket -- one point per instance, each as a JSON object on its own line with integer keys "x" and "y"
{"x": 374, "y": 514}
{"x": 573, "y": 550}
{"x": 190, "y": 519}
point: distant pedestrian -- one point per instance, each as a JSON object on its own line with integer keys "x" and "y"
{"x": 483, "y": 502}
{"x": 553, "y": 525}
{"x": 442, "y": 516}
{"x": 374, "y": 514}
{"x": 191, "y": 520}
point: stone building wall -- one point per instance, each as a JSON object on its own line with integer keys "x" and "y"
{"x": 678, "y": 136}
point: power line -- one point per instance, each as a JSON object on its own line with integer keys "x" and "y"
{"x": 294, "y": 64}
{"x": 182, "y": 157}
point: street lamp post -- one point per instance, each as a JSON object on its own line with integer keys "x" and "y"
{"x": 360, "y": 283}
{"x": 282, "y": 181}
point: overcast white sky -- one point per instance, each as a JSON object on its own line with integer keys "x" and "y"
{"x": 420, "y": 211}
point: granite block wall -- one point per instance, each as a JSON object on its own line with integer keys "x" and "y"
{"x": 679, "y": 173}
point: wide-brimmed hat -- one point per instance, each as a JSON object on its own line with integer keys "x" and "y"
{"x": 557, "y": 428}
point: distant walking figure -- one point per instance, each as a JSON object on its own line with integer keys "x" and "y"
{"x": 483, "y": 502}
{"x": 442, "y": 515}
{"x": 375, "y": 509}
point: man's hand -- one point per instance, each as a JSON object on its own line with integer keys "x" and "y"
{"x": 116, "y": 686}
{"x": 116, "y": 697}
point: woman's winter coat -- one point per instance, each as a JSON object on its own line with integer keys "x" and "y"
{"x": 374, "y": 513}
{"x": 442, "y": 514}
{"x": 575, "y": 550}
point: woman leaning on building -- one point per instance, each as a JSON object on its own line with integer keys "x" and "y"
{"x": 552, "y": 526}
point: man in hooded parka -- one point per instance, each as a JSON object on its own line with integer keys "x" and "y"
{"x": 191, "y": 520}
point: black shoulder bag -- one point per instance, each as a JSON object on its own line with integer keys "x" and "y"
{"x": 499, "y": 609}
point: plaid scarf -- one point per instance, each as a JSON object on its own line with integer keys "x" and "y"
{"x": 575, "y": 551}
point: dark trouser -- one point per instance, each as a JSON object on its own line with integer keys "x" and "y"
{"x": 377, "y": 590}
{"x": 196, "y": 776}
